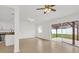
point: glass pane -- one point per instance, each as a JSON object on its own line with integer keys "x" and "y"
{"x": 67, "y": 35}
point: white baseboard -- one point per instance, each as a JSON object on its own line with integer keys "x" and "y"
{"x": 17, "y": 51}
{"x": 26, "y": 37}
{"x": 42, "y": 38}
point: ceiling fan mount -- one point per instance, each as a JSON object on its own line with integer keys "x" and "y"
{"x": 47, "y": 8}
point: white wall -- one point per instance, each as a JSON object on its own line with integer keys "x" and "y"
{"x": 47, "y": 25}
{"x": 6, "y": 26}
{"x": 27, "y": 29}
{"x": 6, "y": 18}
{"x": 45, "y": 31}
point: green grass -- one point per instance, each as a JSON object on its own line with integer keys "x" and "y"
{"x": 67, "y": 36}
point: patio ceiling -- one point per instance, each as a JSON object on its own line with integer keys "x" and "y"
{"x": 64, "y": 25}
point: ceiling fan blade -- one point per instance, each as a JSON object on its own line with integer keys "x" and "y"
{"x": 40, "y": 8}
{"x": 47, "y": 6}
{"x": 53, "y": 9}
{"x": 52, "y": 5}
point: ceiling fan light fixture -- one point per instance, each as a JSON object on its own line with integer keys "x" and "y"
{"x": 47, "y": 8}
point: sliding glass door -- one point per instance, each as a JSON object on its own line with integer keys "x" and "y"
{"x": 67, "y": 35}
{"x": 67, "y": 32}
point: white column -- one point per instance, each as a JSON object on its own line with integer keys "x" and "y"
{"x": 16, "y": 17}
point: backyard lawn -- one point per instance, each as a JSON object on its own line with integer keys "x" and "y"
{"x": 67, "y": 36}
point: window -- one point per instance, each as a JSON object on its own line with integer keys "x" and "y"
{"x": 40, "y": 29}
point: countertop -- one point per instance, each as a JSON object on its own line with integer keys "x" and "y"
{"x": 7, "y": 33}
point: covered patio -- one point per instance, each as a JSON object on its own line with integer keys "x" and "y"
{"x": 75, "y": 32}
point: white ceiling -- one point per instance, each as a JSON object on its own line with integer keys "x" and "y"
{"x": 29, "y": 11}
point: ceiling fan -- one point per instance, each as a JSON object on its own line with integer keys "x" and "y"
{"x": 47, "y": 8}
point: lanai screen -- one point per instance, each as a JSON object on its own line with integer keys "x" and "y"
{"x": 71, "y": 27}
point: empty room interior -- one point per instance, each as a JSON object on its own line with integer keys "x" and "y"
{"x": 39, "y": 28}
